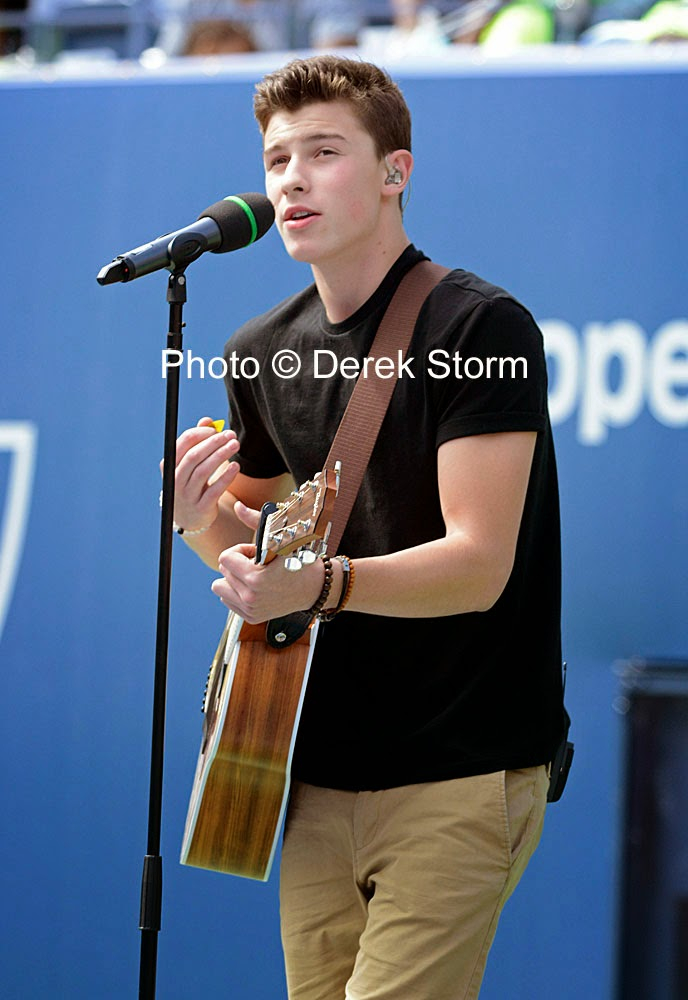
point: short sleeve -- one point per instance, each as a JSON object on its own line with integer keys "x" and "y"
{"x": 490, "y": 375}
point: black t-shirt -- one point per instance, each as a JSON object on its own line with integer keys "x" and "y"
{"x": 393, "y": 701}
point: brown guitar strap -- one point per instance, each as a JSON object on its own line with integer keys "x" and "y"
{"x": 359, "y": 427}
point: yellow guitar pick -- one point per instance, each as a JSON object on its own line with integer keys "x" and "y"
{"x": 218, "y": 425}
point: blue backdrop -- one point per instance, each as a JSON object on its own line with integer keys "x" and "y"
{"x": 563, "y": 181}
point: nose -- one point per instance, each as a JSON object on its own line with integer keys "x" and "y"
{"x": 294, "y": 175}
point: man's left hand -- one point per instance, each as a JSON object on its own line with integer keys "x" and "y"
{"x": 258, "y": 593}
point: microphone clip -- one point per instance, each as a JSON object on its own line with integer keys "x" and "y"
{"x": 182, "y": 250}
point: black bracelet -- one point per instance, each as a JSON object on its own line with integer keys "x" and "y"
{"x": 325, "y": 592}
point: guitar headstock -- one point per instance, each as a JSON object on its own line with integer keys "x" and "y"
{"x": 301, "y": 523}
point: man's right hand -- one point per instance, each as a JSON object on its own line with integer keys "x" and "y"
{"x": 204, "y": 471}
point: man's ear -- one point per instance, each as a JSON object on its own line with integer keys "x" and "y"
{"x": 397, "y": 169}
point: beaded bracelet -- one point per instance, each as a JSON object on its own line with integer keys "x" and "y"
{"x": 348, "y": 575}
{"x": 325, "y": 592}
{"x": 185, "y": 531}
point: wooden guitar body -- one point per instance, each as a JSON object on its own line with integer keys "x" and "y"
{"x": 241, "y": 785}
{"x": 251, "y": 710}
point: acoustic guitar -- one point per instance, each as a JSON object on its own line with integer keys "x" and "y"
{"x": 252, "y": 705}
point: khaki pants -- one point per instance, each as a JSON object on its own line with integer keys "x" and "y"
{"x": 395, "y": 895}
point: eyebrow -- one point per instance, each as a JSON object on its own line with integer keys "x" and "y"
{"x": 309, "y": 139}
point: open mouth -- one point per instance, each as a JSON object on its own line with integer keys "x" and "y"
{"x": 295, "y": 215}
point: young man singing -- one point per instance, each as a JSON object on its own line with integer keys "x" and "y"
{"x": 434, "y": 704}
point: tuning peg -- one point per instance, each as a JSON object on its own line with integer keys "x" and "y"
{"x": 297, "y": 560}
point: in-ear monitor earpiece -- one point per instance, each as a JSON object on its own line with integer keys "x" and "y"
{"x": 394, "y": 175}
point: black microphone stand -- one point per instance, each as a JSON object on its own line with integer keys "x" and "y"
{"x": 151, "y": 884}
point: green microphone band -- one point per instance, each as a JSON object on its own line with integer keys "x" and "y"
{"x": 249, "y": 212}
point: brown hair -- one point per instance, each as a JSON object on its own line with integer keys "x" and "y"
{"x": 374, "y": 97}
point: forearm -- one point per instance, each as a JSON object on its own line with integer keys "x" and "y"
{"x": 483, "y": 482}
{"x": 447, "y": 576}
{"x": 224, "y": 532}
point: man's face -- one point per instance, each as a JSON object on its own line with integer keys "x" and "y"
{"x": 325, "y": 180}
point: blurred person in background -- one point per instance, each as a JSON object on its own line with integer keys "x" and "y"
{"x": 11, "y": 37}
{"x": 272, "y": 25}
{"x": 217, "y": 37}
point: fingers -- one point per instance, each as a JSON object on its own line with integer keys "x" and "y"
{"x": 203, "y": 442}
{"x": 200, "y": 458}
{"x": 204, "y": 434}
{"x": 229, "y": 596}
{"x": 247, "y": 516}
{"x": 260, "y": 592}
{"x": 235, "y": 560}
{"x": 237, "y": 588}
{"x": 204, "y": 470}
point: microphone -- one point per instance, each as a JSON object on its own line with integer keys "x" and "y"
{"x": 230, "y": 224}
